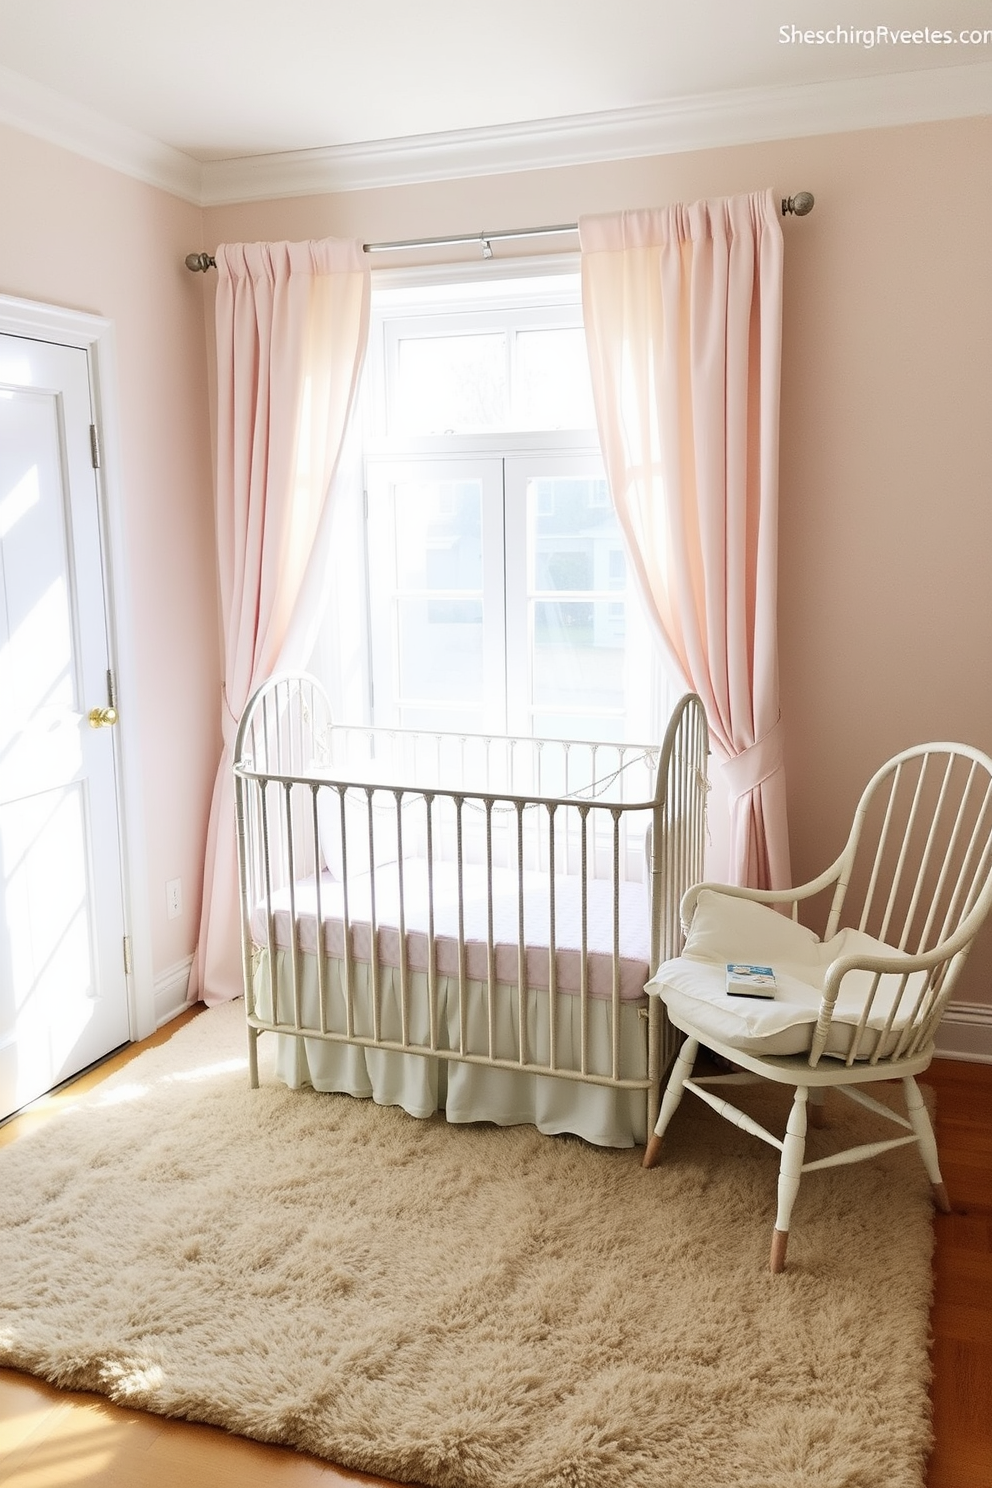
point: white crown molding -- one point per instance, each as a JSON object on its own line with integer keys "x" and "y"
{"x": 47, "y": 115}
{"x": 745, "y": 116}
{"x": 704, "y": 121}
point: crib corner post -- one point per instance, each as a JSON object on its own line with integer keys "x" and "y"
{"x": 252, "y": 1057}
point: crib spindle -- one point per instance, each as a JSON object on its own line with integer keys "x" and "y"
{"x": 490, "y": 936}
{"x": 401, "y": 913}
{"x": 584, "y": 940}
{"x": 521, "y": 943}
{"x": 462, "y": 978}
{"x": 349, "y": 957}
{"x": 552, "y": 945}
{"x": 432, "y": 1010}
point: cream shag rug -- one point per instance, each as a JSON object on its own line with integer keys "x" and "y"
{"x": 467, "y": 1307}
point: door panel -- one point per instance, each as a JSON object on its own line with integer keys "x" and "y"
{"x": 63, "y": 990}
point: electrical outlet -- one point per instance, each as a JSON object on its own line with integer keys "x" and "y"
{"x": 174, "y": 897}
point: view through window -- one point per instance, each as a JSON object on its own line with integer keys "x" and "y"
{"x": 500, "y": 597}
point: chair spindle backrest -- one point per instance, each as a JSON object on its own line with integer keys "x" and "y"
{"x": 916, "y": 873}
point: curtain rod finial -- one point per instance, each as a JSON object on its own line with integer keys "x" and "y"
{"x": 199, "y": 263}
{"x": 799, "y": 204}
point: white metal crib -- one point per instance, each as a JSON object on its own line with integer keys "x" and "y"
{"x": 465, "y": 921}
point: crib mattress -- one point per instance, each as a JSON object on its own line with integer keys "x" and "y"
{"x": 520, "y": 911}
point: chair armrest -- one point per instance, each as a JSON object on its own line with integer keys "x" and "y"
{"x": 899, "y": 963}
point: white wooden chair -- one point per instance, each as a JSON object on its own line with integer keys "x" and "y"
{"x": 909, "y": 893}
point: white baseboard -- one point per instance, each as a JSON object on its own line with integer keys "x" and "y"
{"x": 965, "y": 1032}
{"x": 170, "y": 991}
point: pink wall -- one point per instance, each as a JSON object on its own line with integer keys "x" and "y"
{"x": 77, "y": 235}
{"x": 886, "y": 462}
{"x": 886, "y": 527}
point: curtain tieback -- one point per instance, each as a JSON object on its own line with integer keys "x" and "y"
{"x": 758, "y": 762}
{"x": 230, "y": 722}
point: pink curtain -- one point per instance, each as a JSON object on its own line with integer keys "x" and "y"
{"x": 292, "y": 325}
{"x": 683, "y": 318}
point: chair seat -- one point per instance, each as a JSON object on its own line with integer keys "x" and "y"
{"x": 695, "y": 994}
{"x": 725, "y": 929}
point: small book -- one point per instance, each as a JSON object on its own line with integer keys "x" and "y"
{"x": 744, "y": 980}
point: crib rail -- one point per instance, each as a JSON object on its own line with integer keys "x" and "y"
{"x": 411, "y": 859}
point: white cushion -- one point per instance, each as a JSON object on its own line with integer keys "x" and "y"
{"x": 694, "y": 985}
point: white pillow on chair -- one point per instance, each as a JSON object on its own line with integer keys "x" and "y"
{"x": 725, "y": 928}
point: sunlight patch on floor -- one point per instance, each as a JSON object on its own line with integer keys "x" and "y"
{"x": 207, "y": 1071}
{"x": 131, "y": 1376}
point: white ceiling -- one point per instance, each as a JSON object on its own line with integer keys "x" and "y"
{"x": 220, "y": 80}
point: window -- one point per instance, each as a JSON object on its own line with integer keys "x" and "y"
{"x": 499, "y": 596}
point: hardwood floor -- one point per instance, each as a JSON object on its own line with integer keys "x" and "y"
{"x": 961, "y": 1319}
{"x": 54, "y": 1439}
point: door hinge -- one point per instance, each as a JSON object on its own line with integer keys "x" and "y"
{"x": 111, "y": 689}
{"x": 95, "y": 446}
{"x": 127, "y": 955}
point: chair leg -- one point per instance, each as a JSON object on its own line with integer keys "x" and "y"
{"x": 817, "y": 1109}
{"x": 681, "y": 1070}
{"x": 789, "y": 1173}
{"x": 920, "y": 1118}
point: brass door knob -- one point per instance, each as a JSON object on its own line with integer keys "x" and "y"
{"x": 102, "y": 717}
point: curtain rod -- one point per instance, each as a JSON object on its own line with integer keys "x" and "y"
{"x": 799, "y": 205}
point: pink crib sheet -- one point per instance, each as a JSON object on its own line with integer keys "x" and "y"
{"x": 507, "y": 913}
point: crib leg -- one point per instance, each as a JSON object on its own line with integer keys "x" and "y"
{"x": 252, "y": 1058}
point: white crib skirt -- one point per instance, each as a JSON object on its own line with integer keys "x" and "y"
{"x": 423, "y": 1084}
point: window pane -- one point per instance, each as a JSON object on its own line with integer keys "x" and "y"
{"x": 440, "y": 649}
{"x": 450, "y": 384}
{"x": 438, "y": 535}
{"x": 575, "y": 539}
{"x": 578, "y": 613}
{"x": 552, "y": 388}
{"x": 578, "y": 654}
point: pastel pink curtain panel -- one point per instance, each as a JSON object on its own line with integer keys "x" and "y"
{"x": 292, "y": 327}
{"x": 683, "y": 313}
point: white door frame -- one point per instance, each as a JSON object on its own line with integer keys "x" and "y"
{"x": 95, "y": 335}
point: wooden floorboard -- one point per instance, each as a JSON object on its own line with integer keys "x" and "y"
{"x": 961, "y": 1319}
{"x": 52, "y": 1438}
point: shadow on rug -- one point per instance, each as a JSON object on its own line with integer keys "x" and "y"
{"x": 468, "y": 1307}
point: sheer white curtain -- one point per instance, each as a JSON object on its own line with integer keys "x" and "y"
{"x": 683, "y": 310}
{"x": 292, "y": 326}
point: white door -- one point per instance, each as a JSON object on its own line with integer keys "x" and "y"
{"x": 63, "y": 986}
